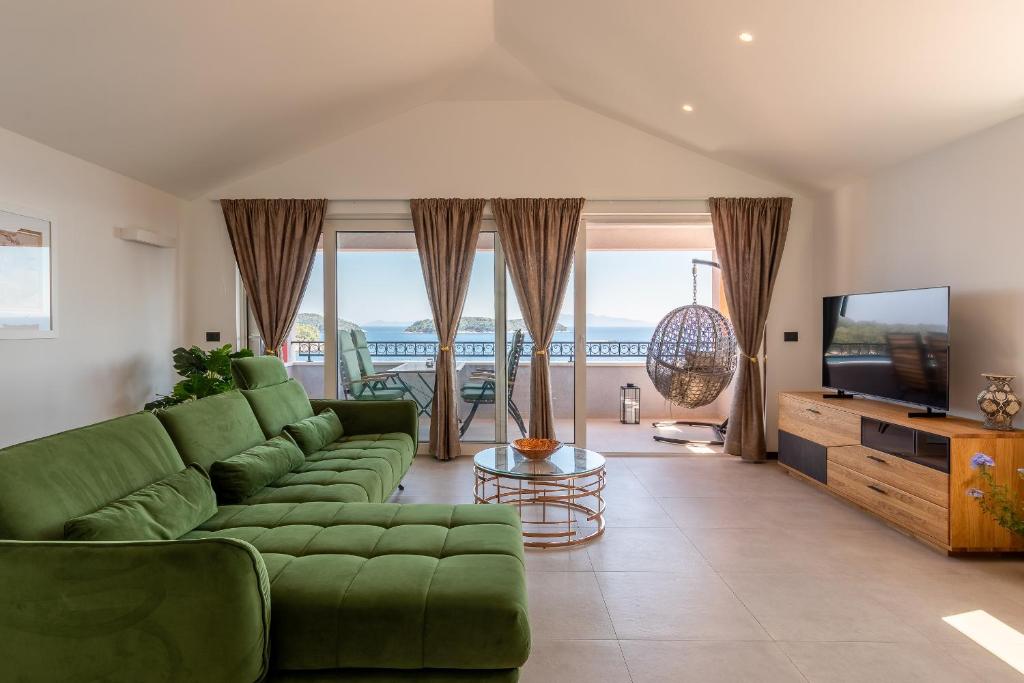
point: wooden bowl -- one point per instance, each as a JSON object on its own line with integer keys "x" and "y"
{"x": 536, "y": 449}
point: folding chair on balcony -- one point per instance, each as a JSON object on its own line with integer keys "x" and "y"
{"x": 359, "y": 385}
{"x": 370, "y": 374}
{"x": 481, "y": 388}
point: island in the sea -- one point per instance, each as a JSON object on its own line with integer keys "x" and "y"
{"x": 310, "y": 327}
{"x": 472, "y": 325}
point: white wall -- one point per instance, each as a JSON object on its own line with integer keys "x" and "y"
{"x": 950, "y": 217}
{"x": 118, "y": 316}
{"x": 486, "y": 149}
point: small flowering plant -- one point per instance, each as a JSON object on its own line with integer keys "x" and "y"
{"x": 1000, "y": 500}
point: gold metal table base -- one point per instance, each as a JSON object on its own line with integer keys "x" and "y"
{"x": 561, "y": 503}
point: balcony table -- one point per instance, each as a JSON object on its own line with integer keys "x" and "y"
{"x": 421, "y": 370}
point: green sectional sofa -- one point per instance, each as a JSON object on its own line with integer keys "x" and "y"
{"x": 313, "y": 577}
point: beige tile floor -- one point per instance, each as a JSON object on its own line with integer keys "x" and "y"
{"x": 603, "y": 434}
{"x": 715, "y": 570}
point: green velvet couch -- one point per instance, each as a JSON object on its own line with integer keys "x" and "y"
{"x": 312, "y": 578}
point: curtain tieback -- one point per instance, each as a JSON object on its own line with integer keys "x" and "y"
{"x": 543, "y": 351}
{"x": 444, "y": 348}
{"x": 752, "y": 359}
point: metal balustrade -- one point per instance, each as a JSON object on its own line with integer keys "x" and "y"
{"x": 386, "y": 350}
{"x": 858, "y": 349}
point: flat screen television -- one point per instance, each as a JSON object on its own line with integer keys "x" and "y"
{"x": 891, "y": 345}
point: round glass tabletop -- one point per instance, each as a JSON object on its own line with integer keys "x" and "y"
{"x": 567, "y": 461}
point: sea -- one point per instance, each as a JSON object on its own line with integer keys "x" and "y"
{"x": 594, "y": 334}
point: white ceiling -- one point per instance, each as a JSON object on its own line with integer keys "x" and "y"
{"x": 187, "y": 95}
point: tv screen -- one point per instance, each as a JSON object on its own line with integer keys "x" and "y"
{"x": 892, "y": 345}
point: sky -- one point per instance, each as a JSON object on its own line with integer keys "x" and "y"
{"x": 909, "y": 307}
{"x": 24, "y": 273}
{"x": 388, "y": 286}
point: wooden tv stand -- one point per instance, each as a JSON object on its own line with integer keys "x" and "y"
{"x": 820, "y": 441}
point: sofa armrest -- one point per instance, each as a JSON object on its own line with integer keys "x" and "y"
{"x": 192, "y": 610}
{"x": 374, "y": 417}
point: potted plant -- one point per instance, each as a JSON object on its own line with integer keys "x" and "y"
{"x": 204, "y": 373}
{"x": 1000, "y": 501}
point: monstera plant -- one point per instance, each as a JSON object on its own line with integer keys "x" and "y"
{"x": 204, "y": 373}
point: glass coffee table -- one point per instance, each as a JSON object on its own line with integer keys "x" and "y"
{"x": 559, "y": 498}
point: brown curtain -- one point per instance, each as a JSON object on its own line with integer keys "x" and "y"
{"x": 539, "y": 236}
{"x": 446, "y": 236}
{"x": 275, "y": 243}
{"x": 750, "y": 234}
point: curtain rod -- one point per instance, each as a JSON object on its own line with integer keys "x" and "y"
{"x": 589, "y": 199}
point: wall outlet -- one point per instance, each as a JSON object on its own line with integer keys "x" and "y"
{"x": 790, "y": 336}
{"x": 215, "y": 336}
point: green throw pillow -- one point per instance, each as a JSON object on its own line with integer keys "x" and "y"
{"x": 242, "y": 475}
{"x": 164, "y": 510}
{"x": 313, "y": 433}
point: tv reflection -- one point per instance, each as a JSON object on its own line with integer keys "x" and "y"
{"x": 904, "y": 362}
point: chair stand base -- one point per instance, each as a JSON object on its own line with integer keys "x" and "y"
{"x": 717, "y": 429}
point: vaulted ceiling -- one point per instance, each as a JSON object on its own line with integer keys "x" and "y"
{"x": 190, "y": 94}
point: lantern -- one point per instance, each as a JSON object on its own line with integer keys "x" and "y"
{"x": 629, "y": 404}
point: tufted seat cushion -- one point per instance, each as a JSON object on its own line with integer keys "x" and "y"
{"x": 388, "y": 586}
{"x": 364, "y": 468}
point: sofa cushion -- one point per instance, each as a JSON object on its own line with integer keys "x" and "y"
{"x": 258, "y": 371}
{"x": 279, "y": 405}
{"x": 358, "y": 468}
{"x": 162, "y": 511}
{"x": 242, "y": 475}
{"x": 48, "y": 481}
{"x": 313, "y": 433}
{"x": 212, "y": 428}
{"x": 388, "y": 586}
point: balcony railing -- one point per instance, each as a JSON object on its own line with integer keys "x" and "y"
{"x": 385, "y": 350}
{"x": 858, "y": 349}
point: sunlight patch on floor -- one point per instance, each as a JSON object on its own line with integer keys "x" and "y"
{"x": 1005, "y": 642}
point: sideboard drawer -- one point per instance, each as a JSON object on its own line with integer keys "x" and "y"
{"x": 818, "y": 423}
{"x": 908, "y": 511}
{"x": 917, "y": 480}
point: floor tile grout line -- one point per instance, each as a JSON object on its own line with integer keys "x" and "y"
{"x": 718, "y": 574}
{"x": 625, "y": 662}
{"x": 611, "y": 621}
{"x": 789, "y": 659}
{"x": 637, "y": 477}
{"x": 847, "y": 641}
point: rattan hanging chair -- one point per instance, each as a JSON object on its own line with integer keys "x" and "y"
{"x": 692, "y": 358}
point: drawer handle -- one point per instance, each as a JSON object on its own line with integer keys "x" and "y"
{"x": 812, "y": 410}
{"x": 877, "y": 459}
{"x": 879, "y": 489}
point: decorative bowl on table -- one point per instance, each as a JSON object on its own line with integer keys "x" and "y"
{"x": 536, "y": 449}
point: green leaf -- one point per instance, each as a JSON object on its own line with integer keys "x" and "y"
{"x": 204, "y": 373}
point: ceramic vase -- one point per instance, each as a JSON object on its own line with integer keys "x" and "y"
{"x": 998, "y": 403}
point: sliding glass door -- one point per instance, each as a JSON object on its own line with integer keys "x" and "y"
{"x": 637, "y": 273}
{"x": 629, "y": 271}
{"x": 367, "y": 278}
{"x": 384, "y": 315}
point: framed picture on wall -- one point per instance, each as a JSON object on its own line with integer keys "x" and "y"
{"x": 27, "y": 281}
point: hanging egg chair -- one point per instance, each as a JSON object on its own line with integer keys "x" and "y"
{"x": 692, "y": 358}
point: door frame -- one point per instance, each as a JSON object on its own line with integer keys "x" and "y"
{"x": 580, "y": 337}
{"x": 391, "y": 222}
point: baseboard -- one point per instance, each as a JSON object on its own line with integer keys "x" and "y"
{"x": 771, "y": 455}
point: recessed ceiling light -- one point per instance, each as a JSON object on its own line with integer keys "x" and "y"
{"x": 747, "y": 37}
{"x": 687, "y": 108}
